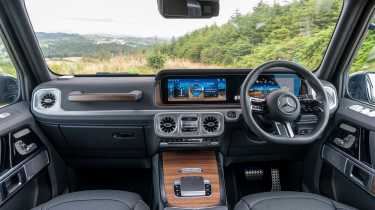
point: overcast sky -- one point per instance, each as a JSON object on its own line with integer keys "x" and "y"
{"x": 120, "y": 17}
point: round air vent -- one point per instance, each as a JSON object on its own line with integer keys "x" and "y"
{"x": 167, "y": 124}
{"x": 48, "y": 100}
{"x": 211, "y": 124}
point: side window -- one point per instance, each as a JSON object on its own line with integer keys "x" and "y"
{"x": 9, "y": 88}
{"x": 361, "y": 84}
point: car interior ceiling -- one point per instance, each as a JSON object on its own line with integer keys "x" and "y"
{"x": 294, "y": 131}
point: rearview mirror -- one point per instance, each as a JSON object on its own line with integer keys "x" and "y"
{"x": 188, "y": 8}
{"x": 362, "y": 87}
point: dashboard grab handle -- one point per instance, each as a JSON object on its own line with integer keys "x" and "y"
{"x": 78, "y": 96}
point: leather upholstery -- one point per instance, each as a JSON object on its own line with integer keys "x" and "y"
{"x": 95, "y": 200}
{"x": 288, "y": 201}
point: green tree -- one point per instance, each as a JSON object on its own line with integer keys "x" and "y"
{"x": 156, "y": 61}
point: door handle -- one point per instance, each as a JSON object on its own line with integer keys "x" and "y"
{"x": 123, "y": 136}
{"x": 24, "y": 149}
{"x": 360, "y": 176}
{"x": 13, "y": 183}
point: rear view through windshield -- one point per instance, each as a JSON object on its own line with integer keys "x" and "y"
{"x": 105, "y": 37}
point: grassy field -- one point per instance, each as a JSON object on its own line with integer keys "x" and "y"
{"x": 6, "y": 67}
{"x": 133, "y": 64}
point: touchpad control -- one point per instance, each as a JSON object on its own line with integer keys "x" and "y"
{"x": 192, "y": 186}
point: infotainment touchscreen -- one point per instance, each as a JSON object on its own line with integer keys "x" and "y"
{"x": 202, "y": 89}
{"x": 268, "y": 83}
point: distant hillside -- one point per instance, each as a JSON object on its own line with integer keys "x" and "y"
{"x": 62, "y": 45}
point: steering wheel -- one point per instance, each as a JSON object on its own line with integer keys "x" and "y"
{"x": 282, "y": 107}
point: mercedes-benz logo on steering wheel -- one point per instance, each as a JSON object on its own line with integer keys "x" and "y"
{"x": 287, "y": 104}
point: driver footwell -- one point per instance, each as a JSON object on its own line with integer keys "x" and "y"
{"x": 249, "y": 178}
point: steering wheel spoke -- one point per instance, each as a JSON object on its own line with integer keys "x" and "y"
{"x": 310, "y": 104}
{"x": 284, "y": 129}
{"x": 258, "y": 105}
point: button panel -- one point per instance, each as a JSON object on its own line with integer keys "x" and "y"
{"x": 166, "y": 142}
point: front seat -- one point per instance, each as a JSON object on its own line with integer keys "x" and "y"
{"x": 288, "y": 201}
{"x": 95, "y": 200}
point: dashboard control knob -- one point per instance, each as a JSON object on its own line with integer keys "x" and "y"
{"x": 232, "y": 114}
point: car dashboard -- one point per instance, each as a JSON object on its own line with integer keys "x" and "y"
{"x": 130, "y": 118}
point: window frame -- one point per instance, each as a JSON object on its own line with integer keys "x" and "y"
{"x": 16, "y": 67}
{"x": 357, "y": 44}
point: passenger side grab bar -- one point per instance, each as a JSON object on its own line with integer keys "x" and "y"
{"x": 78, "y": 96}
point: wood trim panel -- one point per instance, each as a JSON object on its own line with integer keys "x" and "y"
{"x": 373, "y": 185}
{"x": 78, "y": 96}
{"x": 173, "y": 162}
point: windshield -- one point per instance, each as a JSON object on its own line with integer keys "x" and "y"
{"x": 104, "y": 37}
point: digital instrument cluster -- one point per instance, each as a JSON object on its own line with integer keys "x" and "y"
{"x": 268, "y": 83}
{"x": 210, "y": 89}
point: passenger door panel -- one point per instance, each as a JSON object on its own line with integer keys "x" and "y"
{"x": 24, "y": 178}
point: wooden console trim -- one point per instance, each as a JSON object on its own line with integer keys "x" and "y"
{"x": 373, "y": 185}
{"x": 173, "y": 162}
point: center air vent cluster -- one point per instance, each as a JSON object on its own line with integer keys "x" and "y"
{"x": 211, "y": 124}
{"x": 168, "y": 124}
{"x": 186, "y": 125}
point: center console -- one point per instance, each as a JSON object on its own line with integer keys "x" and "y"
{"x": 191, "y": 179}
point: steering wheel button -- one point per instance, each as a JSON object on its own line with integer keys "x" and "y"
{"x": 232, "y": 114}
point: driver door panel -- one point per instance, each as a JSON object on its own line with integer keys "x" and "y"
{"x": 348, "y": 172}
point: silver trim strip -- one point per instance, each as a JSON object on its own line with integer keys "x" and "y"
{"x": 4, "y": 115}
{"x": 21, "y": 133}
{"x": 363, "y": 110}
{"x": 332, "y": 98}
{"x": 289, "y": 129}
{"x": 191, "y": 170}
